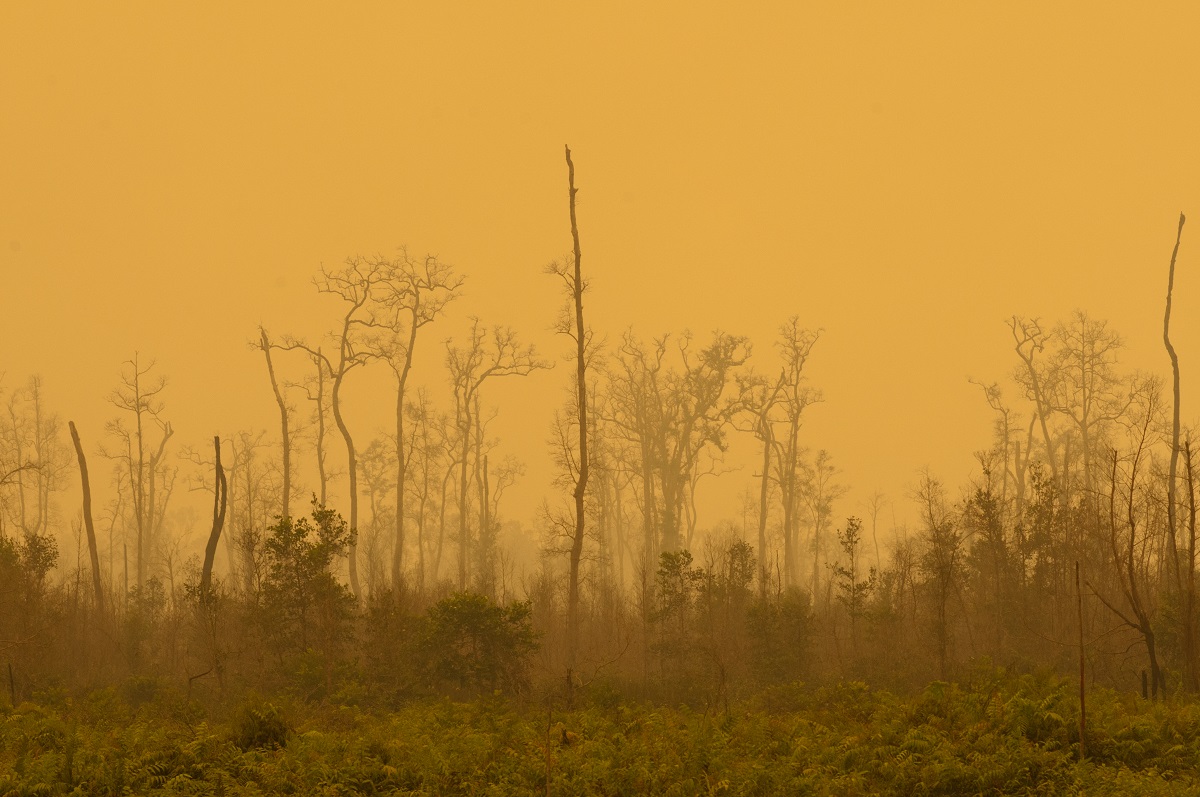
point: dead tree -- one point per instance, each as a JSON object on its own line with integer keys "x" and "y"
{"x": 265, "y": 345}
{"x": 1123, "y": 540}
{"x": 1030, "y": 341}
{"x": 143, "y": 464}
{"x": 415, "y": 293}
{"x": 470, "y": 367}
{"x": 1190, "y": 664}
{"x": 572, "y": 324}
{"x": 1171, "y": 476}
{"x": 220, "y": 493}
{"x": 87, "y": 518}
{"x": 357, "y": 286}
{"x": 795, "y": 345}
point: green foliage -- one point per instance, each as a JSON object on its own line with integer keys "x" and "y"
{"x": 304, "y": 604}
{"x": 999, "y": 735}
{"x": 473, "y": 645}
{"x": 781, "y": 629}
{"x": 852, "y": 593}
{"x": 261, "y": 726}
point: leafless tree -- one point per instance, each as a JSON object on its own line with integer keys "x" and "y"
{"x": 357, "y": 284}
{"x": 220, "y": 504}
{"x": 93, "y": 552}
{"x": 1088, "y": 392}
{"x": 36, "y": 460}
{"x": 1033, "y": 375}
{"x": 139, "y": 396}
{"x": 285, "y": 412}
{"x": 1174, "y": 466}
{"x": 795, "y": 345}
{"x": 1129, "y": 520}
{"x": 571, "y": 324}
{"x": 481, "y": 358}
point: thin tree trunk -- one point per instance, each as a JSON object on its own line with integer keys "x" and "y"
{"x": 220, "y": 492}
{"x": 352, "y": 466}
{"x": 322, "y": 475}
{"x": 87, "y": 519}
{"x": 401, "y": 476}
{"x": 283, "y": 422}
{"x": 582, "y": 406}
{"x": 463, "y": 528}
{"x": 401, "y": 459}
{"x": 1082, "y": 670}
{"x": 1189, "y": 616}
{"x": 1171, "y": 508}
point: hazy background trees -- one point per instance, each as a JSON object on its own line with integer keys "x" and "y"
{"x": 630, "y": 575}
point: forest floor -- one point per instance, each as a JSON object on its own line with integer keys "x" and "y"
{"x": 1004, "y": 736}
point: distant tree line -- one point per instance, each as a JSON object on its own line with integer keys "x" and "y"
{"x": 404, "y": 585}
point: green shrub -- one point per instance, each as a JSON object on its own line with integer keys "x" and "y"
{"x": 261, "y": 726}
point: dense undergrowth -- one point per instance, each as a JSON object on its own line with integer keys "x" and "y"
{"x": 994, "y": 735}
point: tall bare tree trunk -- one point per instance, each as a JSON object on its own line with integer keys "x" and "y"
{"x": 352, "y": 466}
{"x": 1171, "y": 477}
{"x": 464, "y": 532}
{"x": 1191, "y": 675}
{"x": 401, "y": 474}
{"x": 321, "y": 474}
{"x": 283, "y": 422}
{"x": 1082, "y": 670}
{"x": 582, "y": 405}
{"x": 87, "y": 518}
{"x": 220, "y": 493}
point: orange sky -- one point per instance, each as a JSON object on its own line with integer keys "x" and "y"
{"x": 905, "y": 176}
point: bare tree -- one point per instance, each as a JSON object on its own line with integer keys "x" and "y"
{"x": 572, "y": 325}
{"x": 415, "y": 292}
{"x": 426, "y": 453}
{"x": 1174, "y": 466}
{"x": 470, "y": 366}
{"x": 1030, "y": 342}
{"x": 220, "y": 503}
{"x": 377, "y": 467}
{"x": 357, "y": 285}
{"x": 138, "y": 395}
{"x": 633, "y": 413}
{"x": 1129, "y": 548}
{"x": 284, "y": 413}
{"x": 87, "y": 519}
{"x": 818, "y": 491}
{"x": 795, "y": 345}
{"x": 37, "y": 460}
{"x": 1088, "y": 392}
{"x": 1191, "y": 667}
{"x": 761, "y": 402}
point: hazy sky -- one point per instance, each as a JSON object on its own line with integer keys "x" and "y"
{"x": 905, "y": 176}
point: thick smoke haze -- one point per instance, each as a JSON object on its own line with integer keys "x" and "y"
{"x": 904, "y": 180}
{"x": 821, "y": 423}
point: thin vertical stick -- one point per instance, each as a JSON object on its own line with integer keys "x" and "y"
{"x": 1082, "y": 670}
{"x": 549, "y": 719}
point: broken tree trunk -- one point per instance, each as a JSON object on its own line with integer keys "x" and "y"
{"x": 582, "y": 405}
{"x": 220, "y": 492}
{"x": 87, "y": 518}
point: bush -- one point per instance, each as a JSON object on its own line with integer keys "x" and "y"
{"x": 261, "y": 726}
{"x": 472, "y": 644}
